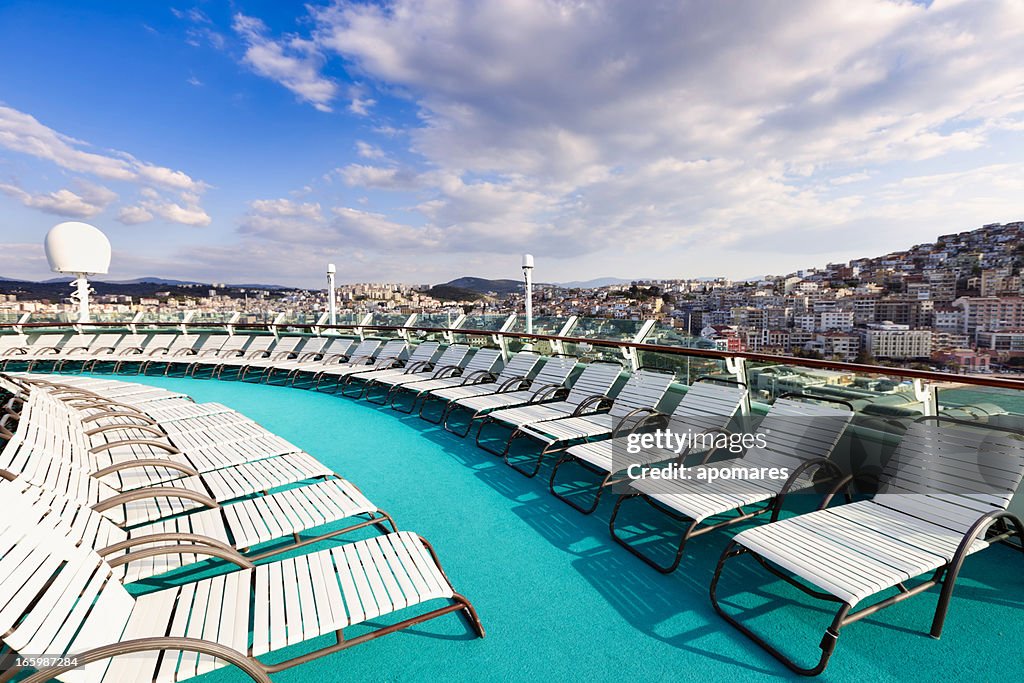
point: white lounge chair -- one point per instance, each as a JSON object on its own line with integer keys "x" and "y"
{"x": 514, "y": 375}
{"x": 590, "y": 389}
{"x": 548, "y": 385}
{"x": 943, "y": 497}
{"x": 481, "y": 367}
{"x": 420, "y": 360}
{"x": 66, "y": 601}
{"x": 796, "y": 439}
{"x": 706, "y": 408}
{"x": 449, "y": 363}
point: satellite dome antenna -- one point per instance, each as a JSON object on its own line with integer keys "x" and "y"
{"x": 79, "y": 249}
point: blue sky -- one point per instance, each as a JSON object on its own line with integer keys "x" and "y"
{"x": 420, "y": 140}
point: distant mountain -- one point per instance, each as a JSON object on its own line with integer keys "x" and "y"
{"x": 483, "y": 286}
{"x": 449, "y": 293}
{"x": 154, "y": 281}
{"x": 596, "y": 282}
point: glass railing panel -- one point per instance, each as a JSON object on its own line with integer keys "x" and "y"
{"x": 544, "y": 324}
{"x": 883, "y": 394}
{"x": 973, "y": 402}
{"x": 484, "y": 321}
{"x": 51, "y": 317}
{"x": 666, "y": 335}
{"x": 438, "y": 319}
{"x": 687, "y": 369}
{"x": 591, "y": 352}
{"x": 614, "y": 329}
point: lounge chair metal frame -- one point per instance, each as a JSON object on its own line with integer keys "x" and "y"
{"x": 601, "y": 403}
{"x": 610, "y": 478}
{"x": 772, "y": 506}
{"x": 997, "y": 526}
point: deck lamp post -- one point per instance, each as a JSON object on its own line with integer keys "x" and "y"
{"x": 331, "y": 308}
{"x": 81, "y": 250}
{"x": 528, "y": 275}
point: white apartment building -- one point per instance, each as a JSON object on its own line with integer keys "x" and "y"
{"x": 889, "y": 340}
{"x": 836, "y": 320}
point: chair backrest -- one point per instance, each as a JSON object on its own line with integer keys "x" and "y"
{"x": 423, "y": 352}
{"x": 78, "y": 343}
{"x": 184, "y": 341}
{"x": 313, "y": 345}
{"x": 483, "y": 360}
{"x": 795, "y": 431}
{"x": 11, "y": 341}
{"x": 951, "y": 472}
{"x": 233, "y": 343}
{"x": 519, "y": 365}
{"x": 56, "y": 597}
{"x": 259, "y": 344}
{"x": 103, "y": 343}
{"x": 365, "y": 349}
{"x": 45, "y": 341}
{"x": 333, "y": 346}
{"x": 707, "y": 405}
{"x": 395, "y": 348}
{"x": 130, "y": 341}
{"x": 643, "y": 389}
{"x": 286, "y": 344}
{"x": 555, "y": 370}
{"x": 455, "y": 355}
{"x": 596, "y": 379}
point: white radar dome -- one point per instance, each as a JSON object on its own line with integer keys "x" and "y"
{"x": 75, "y": 247}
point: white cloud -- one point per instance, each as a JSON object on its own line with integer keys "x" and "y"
{"x": 566, "y": 126}
{"x": 293, "y": 62}
{"x": 23, "y": 133}
{"x": 368, "y": 151}
{"x": 87, "y": 202}
{"x": 134, "y": 215}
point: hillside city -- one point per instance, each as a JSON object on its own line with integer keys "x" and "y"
{"x": 955, "y": 304}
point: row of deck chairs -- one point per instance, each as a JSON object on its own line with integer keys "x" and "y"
{"x": 105, "y": 483}
{"x": 943, "y": 496}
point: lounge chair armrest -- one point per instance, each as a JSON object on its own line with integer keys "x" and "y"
{"x": 119, "y": 413}
{"x": 447, "y": 371}
{"x": 158, "y": 644}
{"x": 155, "y": 492}
{"x": 600, "y": 400}
{"x": 130, "y": 351}
{"x": 176, "y": 537}
{"x": 479, "y": 377}
{"x": 545, "y": 392}
{"x": 365, "y": 359}
{"x": 5, "y": 434}
{"x": 231, "y": 555}
{"x": 632, "y": 415}
{"x": 149, "y": 462}
{"x": 50, "y": 349}
{"x": 102, "y": 349}
{"x": 312, "y": 355}
{"x": 186, "y": 352}
{"x": 517, "y": 383}
{"x": 794, "y": 476}
{"x": 149, "y": 429}
{"x": 258, "y": 354}
{"x": 161, "y": 349}
{"x": 418, "y": 366}
{"x": 386, "y": 362}
{"x": 134, "y": 442}
{"x": 711, "y": 451}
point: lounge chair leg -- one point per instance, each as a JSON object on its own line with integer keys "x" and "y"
{"x": 440, "y": 417}
{"x": 597, "y": 496}
{"x": 479, "y": 432}
{"x": 453, "y": 408}
{"x": 828, "y": 640}
{"x": 664, "y": 569}
{"x": 528, "y": 473}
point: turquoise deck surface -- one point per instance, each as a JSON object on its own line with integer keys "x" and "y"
{"x": 560, "y": 601}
